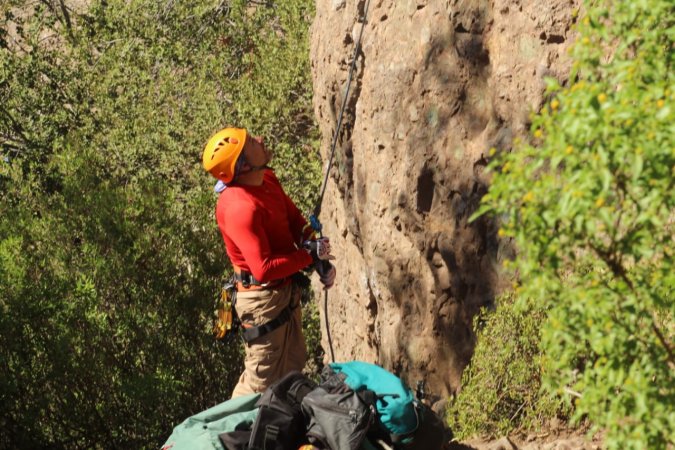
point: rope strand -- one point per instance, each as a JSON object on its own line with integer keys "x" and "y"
{"x": 357, "y": 49}
{"x": 315, "y": 216}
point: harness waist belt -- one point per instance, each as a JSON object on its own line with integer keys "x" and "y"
{"x": 245, "y": 277}
{"x": 245, "y": 281}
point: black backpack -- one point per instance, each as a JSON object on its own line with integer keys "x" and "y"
{"x": 280, "y": 424}
{"x": 339, "y": 418}
{"x": 342, "y": 418}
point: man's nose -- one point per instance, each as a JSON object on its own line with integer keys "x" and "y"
{"x": 260, "y": 140}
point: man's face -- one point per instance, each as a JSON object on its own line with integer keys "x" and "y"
{"x": 255, "y": 152}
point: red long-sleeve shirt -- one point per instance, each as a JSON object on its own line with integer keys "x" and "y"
{"x": 261, "y": 226}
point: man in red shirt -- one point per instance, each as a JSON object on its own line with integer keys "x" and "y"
{"x": 267, "y": 240}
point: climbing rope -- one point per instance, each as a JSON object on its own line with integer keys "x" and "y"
{"x": 357, "y": 48}
{"x": 314, "y": 218}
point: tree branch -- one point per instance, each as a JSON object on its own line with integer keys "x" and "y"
{"x": 572, "y": 393}
{"x": 15, "y": 125}
{"x": 620, "y": 272}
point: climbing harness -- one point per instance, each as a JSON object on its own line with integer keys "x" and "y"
{"x": 250, "y": 333}
{"x": 226, "y": 322}
{"x": 314, "y": 218}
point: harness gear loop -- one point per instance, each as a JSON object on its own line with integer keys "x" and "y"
{"x": 314, "y": 217}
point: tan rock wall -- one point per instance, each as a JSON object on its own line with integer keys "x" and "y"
{"x": 439, "y": 83}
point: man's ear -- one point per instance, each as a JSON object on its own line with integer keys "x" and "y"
{"x": 245, "y": 166}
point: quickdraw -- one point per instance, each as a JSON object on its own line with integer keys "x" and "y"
{"x": 226, "y": 323}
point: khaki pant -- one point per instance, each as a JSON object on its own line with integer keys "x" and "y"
{"x": 270, "y": 357}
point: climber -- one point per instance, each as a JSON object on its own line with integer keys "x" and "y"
{"x": 268, "y": 242}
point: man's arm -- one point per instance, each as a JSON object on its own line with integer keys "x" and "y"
{"x": 300, "y": 229}
{"x": 248, "y": 233}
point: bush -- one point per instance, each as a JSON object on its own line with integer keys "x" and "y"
{"x": 589, "y": 204}
{"x": 501, "y": 389}
{"x": 109, "y": 253}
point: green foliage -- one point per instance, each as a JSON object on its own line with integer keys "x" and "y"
{"x": 109, "y": 253}
{"x": 501, "y": 389}
{"x": 589, "y": 204}
{"x": 311, "y": 325}
{"x": 273, "y": 51}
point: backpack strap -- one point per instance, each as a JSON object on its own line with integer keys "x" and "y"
{"x": 367, "y": 396}
{"x": 280, "y": 423}
{"x": 271, "y": 437}
{"x": 298, "y": 390}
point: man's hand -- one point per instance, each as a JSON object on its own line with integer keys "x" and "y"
{"x": 326, "y": 273}
{"x": 319, "y": 249}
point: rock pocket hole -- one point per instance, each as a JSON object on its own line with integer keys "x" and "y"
{"x": 425, "y": 190}
{"x": 552, "y": 38}
{"x": 555, "y": 39}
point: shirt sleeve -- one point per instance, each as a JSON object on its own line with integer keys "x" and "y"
{"x": 300, "y": 228}
{"x": 247, "y": 232}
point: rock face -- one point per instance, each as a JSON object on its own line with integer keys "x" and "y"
{"x": 438, "y": 84}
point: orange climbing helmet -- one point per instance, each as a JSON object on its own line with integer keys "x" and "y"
{"x": 222, "y": 152}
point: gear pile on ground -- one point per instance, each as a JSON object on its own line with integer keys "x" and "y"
{"x": 356, "y": 406}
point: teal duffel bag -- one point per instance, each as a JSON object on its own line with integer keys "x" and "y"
{"x": 200, "y": 432}
{"x": 409, "y": 424}
{"x": 396, "y": 406}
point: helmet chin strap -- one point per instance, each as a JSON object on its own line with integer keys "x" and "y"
{"x": 247, "y": 167}
{"x": 254, "y": 169}
{"x": 250, "y": 169}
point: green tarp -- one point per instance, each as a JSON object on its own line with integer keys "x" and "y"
{"x": 200, "y": 432}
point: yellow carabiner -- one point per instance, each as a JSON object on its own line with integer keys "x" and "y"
{"x": 223, "y": 320}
